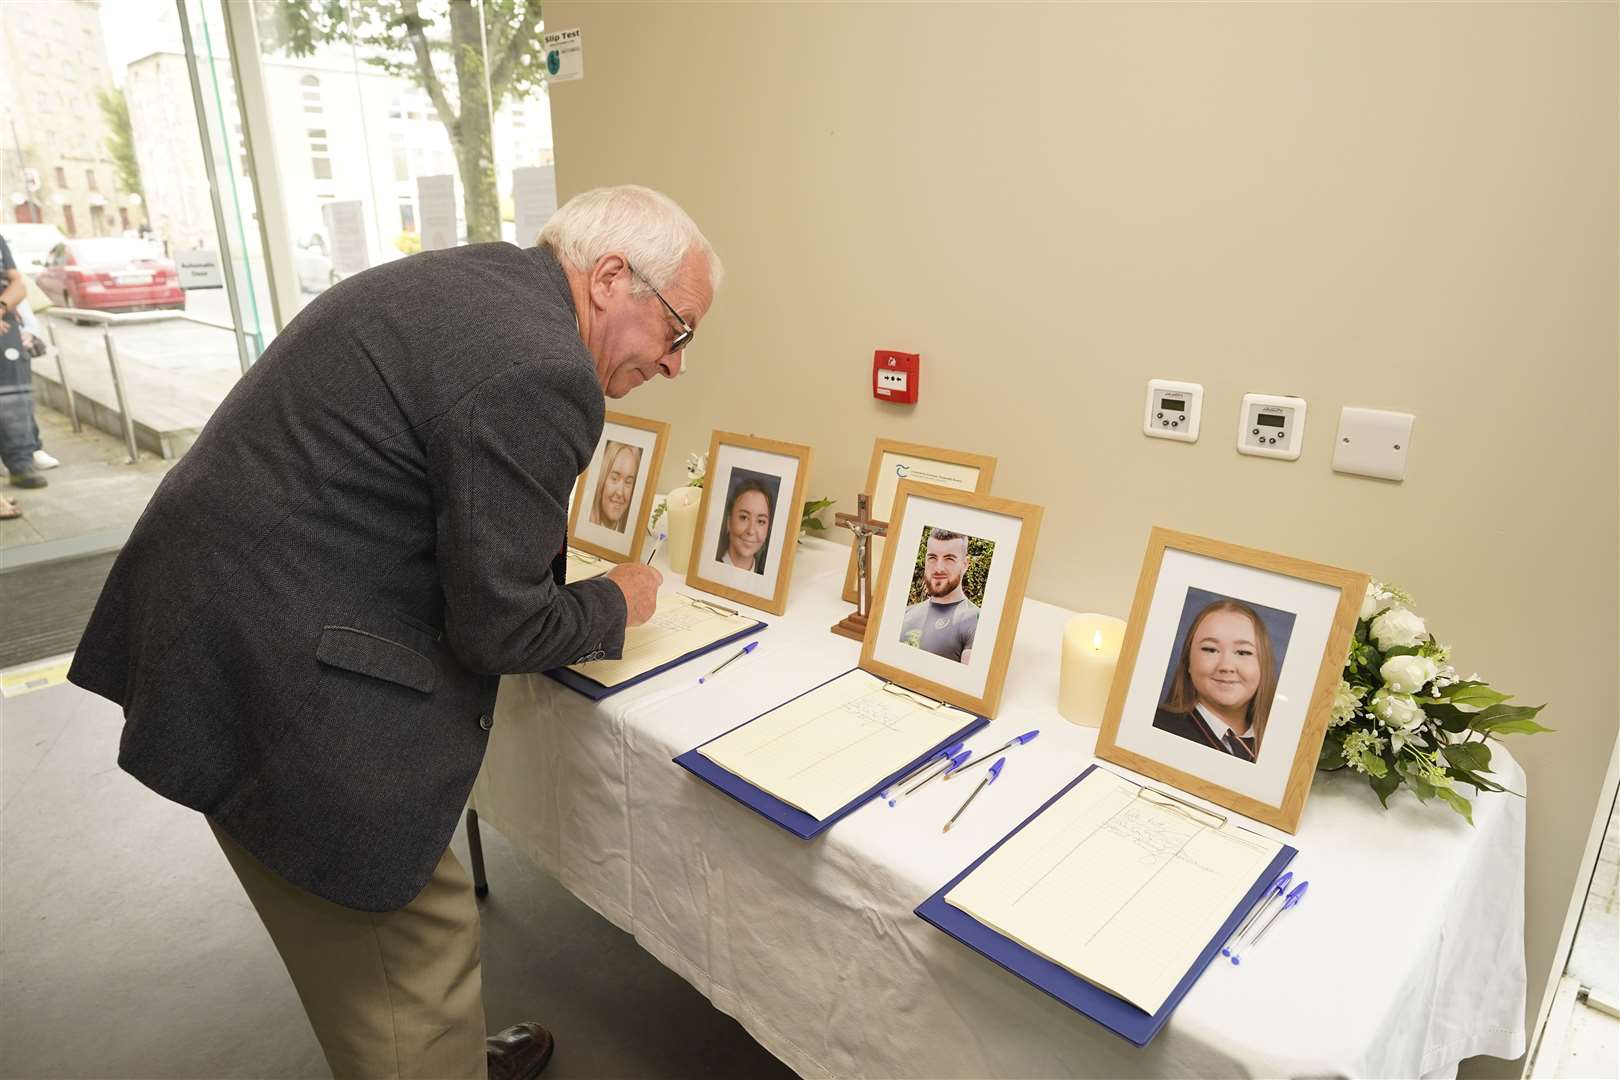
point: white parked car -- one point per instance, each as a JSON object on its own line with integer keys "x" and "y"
{"x": 314, "y": 265}
{"x": 31, "y": 244}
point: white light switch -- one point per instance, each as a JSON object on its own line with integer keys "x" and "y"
{"x": 1373, "y": 442}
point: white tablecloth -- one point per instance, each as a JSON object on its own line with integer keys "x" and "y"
{"x": 1406, "y": 956}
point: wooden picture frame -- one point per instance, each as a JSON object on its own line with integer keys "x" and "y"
{"x": 1164, "y": 715}
{"x": 952, "y": 462}
{"x": 760, "y": 459}
{"x": 636, "y": 433}
{"x": 898, "y": 651}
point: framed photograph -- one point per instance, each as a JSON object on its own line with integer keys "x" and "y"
{"x": 614, "y": 495}
{"x": 1227, "y": 674}
{"x": 748, "y": 520}
{"x": 946, "y": 603}
{"x": 893, "y": 462}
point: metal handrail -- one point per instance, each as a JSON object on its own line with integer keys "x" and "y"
{"x": 108, "y": 320}
{"x": 127, "y": 318}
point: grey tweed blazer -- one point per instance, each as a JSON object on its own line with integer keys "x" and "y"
{"x": 308, "y": 625}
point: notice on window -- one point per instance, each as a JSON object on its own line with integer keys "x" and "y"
{"x": 200, "y": 269}
{"x": 436, "y": 199}
{"x": 565, "y": 56}
{"x": 534, "y": 200}
{"x": 346, "y": 225}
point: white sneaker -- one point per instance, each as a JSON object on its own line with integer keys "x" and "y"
{"x": 42, "y": 460}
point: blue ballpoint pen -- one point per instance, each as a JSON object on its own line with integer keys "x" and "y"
{"x": 995, "y": 771}
{"x": 949, "y": 751}
{"x": 941, "y": 769}
{"x": 1278, "y": 887}
{"x": 1293, "y": 898}
{"x": 738, "y": 655}
{"x": 1008, "y": 745}
{"x": 654, "y": 550}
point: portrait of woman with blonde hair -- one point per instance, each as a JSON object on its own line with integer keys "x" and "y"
{"x": 1223, "y": 682}
{"x": 610, "y": 506}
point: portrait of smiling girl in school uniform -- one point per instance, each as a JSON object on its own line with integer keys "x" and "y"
{"x": 1223, "y": 677}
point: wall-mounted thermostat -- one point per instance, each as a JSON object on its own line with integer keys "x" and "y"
{"x": 1173, "y": 409}
{"x": 1271, "y": 426}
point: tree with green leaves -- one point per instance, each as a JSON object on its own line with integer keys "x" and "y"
{"x": 466, "y": 83}
{"x": 120, "y": 138}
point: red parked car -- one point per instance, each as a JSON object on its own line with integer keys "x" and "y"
{"x": 111, "y": 273}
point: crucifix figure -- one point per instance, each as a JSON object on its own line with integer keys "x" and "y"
{"x": 864, "y": 527}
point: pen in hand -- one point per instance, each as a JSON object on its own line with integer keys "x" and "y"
{"x": 654, "y": 550}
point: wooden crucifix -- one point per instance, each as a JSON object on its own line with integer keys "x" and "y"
{"x": 864, "y": 527}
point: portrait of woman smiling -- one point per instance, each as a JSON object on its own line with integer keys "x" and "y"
{"x": 745, "y": 530}
{"x": 1223, "y": 682}
{"x": 610, "y": 508}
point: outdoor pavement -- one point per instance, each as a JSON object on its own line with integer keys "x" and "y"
{"x": 94, "y": 491}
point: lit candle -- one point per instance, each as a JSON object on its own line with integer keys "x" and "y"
{"x": 681, "y": 513}
{"x": 1091, "y": 644}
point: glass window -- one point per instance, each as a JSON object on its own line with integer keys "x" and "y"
{"x": 61, "y": 177}
{"x": 90, "y": 179}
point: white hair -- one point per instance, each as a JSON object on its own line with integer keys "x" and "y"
{"x": 647, "y": 227}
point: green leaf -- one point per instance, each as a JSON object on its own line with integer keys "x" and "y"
{"x": 1473, "y": 694}
{"x": 1402, "y": 650}
{"x": 1458, "y": 803}
{"x": 1474, "y": 779}
{"x": 1448, "y": 715}
{"x": 1332, "y": 755}
{"x": 1470, "y": 756}
{"x": 1421, "y": 788}
{"x": 1507, "y": 720}
{"x": 1384, "y": 786}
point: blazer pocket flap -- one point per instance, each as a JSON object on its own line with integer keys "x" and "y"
{"x": 361, "y": 651}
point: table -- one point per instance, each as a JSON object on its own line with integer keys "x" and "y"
{"x": 1407, "y": 956}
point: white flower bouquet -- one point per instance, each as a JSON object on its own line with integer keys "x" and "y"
{"x": 1402, "y": 715}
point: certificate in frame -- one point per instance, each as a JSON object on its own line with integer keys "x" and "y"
{"x": 893, "y": 461}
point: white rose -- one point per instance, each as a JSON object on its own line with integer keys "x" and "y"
{"x": 1398, "y": 711}
{"x": 1408, "y": 674}
{"x": 1397, "y": 627}
{"x": 1375, "y": 601}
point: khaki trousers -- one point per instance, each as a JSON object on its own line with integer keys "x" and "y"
{"x": 395, "y": 994}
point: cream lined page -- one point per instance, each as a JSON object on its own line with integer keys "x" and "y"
{"x": 582, "y": 565}
{"x": 1116, "y": 886}
{"x": 828, "y": 747}
{"x": 680, "y": 625}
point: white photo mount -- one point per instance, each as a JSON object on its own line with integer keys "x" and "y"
{"x": 1173, "y": 410}
{"x": 1271, "y": 425}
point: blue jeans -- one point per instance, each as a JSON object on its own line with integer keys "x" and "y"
{"x": 19, "y": 438}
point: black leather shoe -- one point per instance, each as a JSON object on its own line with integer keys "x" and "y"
{"x": 521, "y": 1052}
{"x": 28, "y": 479}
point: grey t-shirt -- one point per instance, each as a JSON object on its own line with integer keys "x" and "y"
{"x": 943, "y": 629}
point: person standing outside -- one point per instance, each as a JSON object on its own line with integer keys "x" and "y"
{"x": 307, "y": 628}
{"x": 18, "y": 439}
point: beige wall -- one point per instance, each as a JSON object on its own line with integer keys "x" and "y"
{"x": 1397, "y": 206}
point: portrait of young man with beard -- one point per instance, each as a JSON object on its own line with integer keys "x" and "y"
{"x": 945, "y": 620}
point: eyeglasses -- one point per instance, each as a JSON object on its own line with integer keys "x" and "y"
{"x": 682, "y": 339}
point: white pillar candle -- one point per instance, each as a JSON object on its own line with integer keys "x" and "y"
{"x": 1091, "y": 645}
{"x": 680, "y": 522}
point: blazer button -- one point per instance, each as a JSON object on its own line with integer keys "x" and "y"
{"x": 486, "y": 721}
